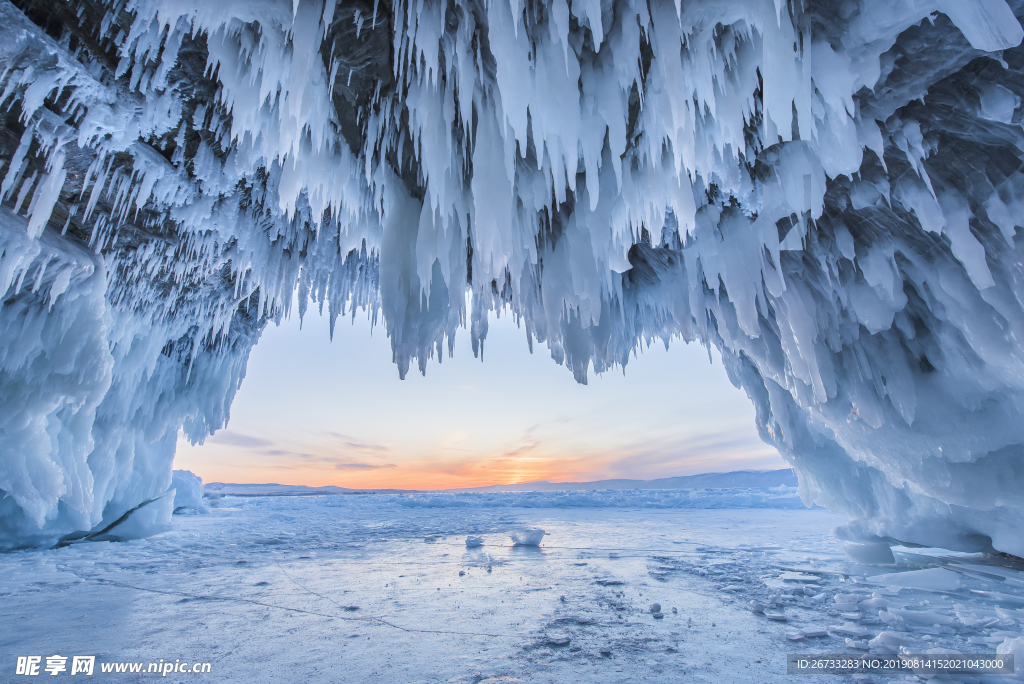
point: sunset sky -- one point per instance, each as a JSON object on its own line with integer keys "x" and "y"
{"x": 316, "y": 412}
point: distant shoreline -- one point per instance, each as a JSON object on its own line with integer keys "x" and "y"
{"x": 752, "y": 479}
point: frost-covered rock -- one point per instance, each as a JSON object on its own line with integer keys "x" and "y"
{"x": 188, "y": 491}
{"x": 828, "y": 192}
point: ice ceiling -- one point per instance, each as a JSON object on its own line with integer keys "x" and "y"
{"x": 826, "y": 192}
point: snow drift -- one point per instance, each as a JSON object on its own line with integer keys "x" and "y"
{"x": 826, "y": 191}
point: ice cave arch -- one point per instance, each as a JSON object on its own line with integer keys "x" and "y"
{"x": 827, "y": 191}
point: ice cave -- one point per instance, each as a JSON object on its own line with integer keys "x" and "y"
{"x": 826, "y": 191}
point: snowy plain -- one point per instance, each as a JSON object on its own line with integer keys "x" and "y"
{"x": 382, "y": 588}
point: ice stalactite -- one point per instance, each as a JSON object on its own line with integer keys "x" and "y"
{"x": 826, "y": 191}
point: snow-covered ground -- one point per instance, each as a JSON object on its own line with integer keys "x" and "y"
{"x": 383, "y": 588}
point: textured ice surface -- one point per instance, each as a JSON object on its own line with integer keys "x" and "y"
{"x": 665, "y": 498}
{"x": 342, "y": 588}
{"x": 827, "y": 194}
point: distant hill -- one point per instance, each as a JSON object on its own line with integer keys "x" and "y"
{"x": 738, "y": 478}
{"x": 213, "y": 489}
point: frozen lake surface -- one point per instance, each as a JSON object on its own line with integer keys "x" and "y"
{"x": 384, "y": 589}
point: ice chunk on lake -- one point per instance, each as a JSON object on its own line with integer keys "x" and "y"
{"x": 888, "y": 642}
{"x": 936, "y": 579}
{"x": 999, "y": 596}
{"x": 527, "y": 536}
{"x": 813, "y": 633}
{"x": 474, "y": 542}
{"x": 869, "y": 554}
{"x": 849, "y": 629}
{"x": 921, "y": 617}
{"x": 1016, "y": 647}
{"x": 1005, "y": 614}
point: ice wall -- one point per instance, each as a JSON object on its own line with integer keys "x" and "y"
{"x": 826, "y": 191}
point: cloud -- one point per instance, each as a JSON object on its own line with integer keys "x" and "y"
{"x": 367, "y": 447}
{"x": 715, "y": 450}
{"x": 240, "y": 440}
{"x": 339, "y": 462}
{"x": 342, "y": 437}
{"x": 521, "y": 449}
{"x": 362, "y": 466}
{"x": 308, "y": 459}
{"x": 354, "y": 443}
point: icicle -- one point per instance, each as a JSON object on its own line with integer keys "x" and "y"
{"x": 26, "y": 191}
{"x": 47, "y": 194}
{"x": 17, "y": 164}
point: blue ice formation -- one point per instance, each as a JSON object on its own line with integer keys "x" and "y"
{"x": 825, "y": 190}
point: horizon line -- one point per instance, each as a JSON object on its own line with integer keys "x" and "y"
{"x": 499, "y": 484}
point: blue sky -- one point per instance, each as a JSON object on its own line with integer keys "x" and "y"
{"x": 316, "y": 412}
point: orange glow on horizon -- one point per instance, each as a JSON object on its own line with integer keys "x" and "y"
{"x": 422, "y": 476}
{"x": 451, "y": 473}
